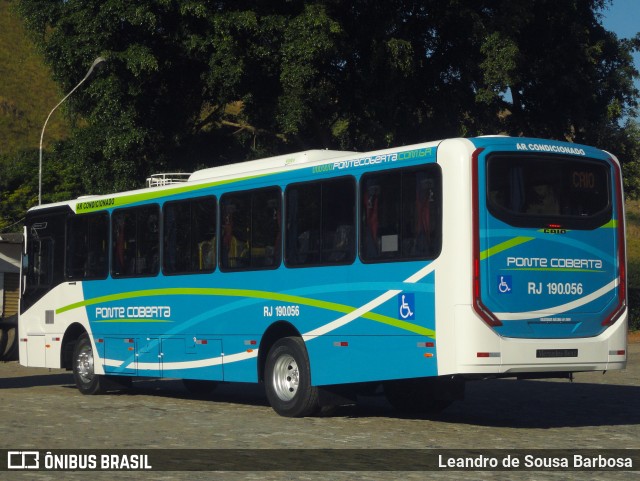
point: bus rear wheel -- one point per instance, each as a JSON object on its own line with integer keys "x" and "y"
{"x": 87, "y": 381}
{"x": 288, "y": 379}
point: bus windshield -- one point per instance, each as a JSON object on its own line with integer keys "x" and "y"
{"x": 536, "y": 191}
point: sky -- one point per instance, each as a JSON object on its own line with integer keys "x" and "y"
{"x": 623, "y": 18}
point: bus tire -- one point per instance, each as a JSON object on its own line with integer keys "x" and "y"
{"x": 288, "y": 379}
{"x": 87, "y": 381}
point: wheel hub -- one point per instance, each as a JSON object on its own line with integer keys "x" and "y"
{"x": 286, "y": 377}
{"x": 84, "y": 365}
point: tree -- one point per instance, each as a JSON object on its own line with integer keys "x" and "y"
{"x": 192, "y": 83}
{"x": 566, "y": 75}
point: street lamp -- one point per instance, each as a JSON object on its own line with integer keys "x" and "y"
{"x": 97, "y": 61}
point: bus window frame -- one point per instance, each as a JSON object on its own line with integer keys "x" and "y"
{"x": 361, "y": 223}
{"x": 221, "y": 225}
{"x": 107, "y": 239}
{"x": 532, "y": 221}
{"x": 354, "y": 240}
{"x": 163, "y": 257}
{"x": 112, "y": 257}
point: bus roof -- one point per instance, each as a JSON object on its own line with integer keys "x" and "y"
{"x": 279, "y": 161}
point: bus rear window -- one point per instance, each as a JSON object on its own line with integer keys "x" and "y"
{"x": 536, "y": 191}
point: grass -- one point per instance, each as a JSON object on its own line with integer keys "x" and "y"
{"x": 27, "y": 91}
{"x": 633, "y": 242}
{"x": 633, "y": 262}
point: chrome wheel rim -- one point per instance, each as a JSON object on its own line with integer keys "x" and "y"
{"x": 84, "y": 364}
{"x": 286, "y": 377}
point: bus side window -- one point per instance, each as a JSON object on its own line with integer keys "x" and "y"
{"x": 189, "y": 236}
{"x": 250, "y": 231}
{"x": 266, "y": 228}
{"x": 234, "y": 239}
{"x": 381, "y": 213}
{"x": 123, "y": 232}
{"x": 338, "y": 221}
{"x": 41, "y": 272}
{"x": 86, "y": 246}
{"x": 135, "y": 241}
{"x": 425, "y": 238}
{"x": 303, "y": 223}
{"x": 401, "y": 214}
{"x": 320, "y": 223}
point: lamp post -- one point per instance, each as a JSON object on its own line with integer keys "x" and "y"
{"x": 97, "y": 61}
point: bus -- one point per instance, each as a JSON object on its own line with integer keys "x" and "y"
{"x": 325, "y": 274}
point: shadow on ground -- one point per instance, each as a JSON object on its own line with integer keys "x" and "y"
{"x": 499, "y": 403}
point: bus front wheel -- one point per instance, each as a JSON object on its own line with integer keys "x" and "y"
{"x": 288, "y": 379}
{"x": 87, "y": 381}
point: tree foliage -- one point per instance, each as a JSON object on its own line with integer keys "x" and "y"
{"x": 193, "y": 82}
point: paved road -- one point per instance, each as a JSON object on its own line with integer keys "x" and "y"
{"x": 43, "y": 410}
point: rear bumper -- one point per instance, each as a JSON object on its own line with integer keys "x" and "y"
{"x": 479, "y": 350}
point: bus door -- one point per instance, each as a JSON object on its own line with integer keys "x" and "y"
{"x": 549, "y": 240}
{"x": 43, "y": 270}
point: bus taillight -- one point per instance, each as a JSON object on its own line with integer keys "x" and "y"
{"x": 622, "y": 256}
{"x": 486, "y": 315}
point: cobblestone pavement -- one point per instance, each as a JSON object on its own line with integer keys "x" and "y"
{"x": 43, "y": 410}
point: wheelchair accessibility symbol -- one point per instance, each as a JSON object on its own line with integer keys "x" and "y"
{"x": 406, "y": 306}
{"x": 504, "y": 284}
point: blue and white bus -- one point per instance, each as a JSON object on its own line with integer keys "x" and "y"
{"x": 324, "y": 273}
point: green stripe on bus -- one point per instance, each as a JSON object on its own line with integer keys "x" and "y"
{"x": 612, "y": 224}
{"x": 246, "y": 293}
{"x": 84, "y": 206}
{"x": 516, "y": 241}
